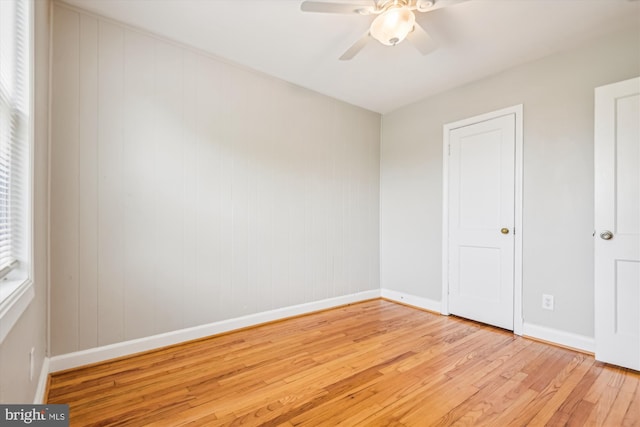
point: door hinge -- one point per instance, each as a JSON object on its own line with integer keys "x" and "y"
{"x": 449, "y": 148}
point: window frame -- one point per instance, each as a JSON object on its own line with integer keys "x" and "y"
{"x": 16, "y": 287}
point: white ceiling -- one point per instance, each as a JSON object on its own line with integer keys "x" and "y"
{"x": 477, "y": 38}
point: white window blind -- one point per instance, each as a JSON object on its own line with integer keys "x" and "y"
{"x": 15, "y": 131}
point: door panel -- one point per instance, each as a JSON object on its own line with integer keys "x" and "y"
{"x": 479, "y": 154}
{"x": 481, "y": 203}
{"x": 627, "y": 296}
{"x": 479, "y": 276}
{"x": 617, "y": 210}
{"x": 627, "y": 184}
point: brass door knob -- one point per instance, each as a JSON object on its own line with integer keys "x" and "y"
{"x": 504, "y": 231}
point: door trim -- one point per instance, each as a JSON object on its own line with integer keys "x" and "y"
{"x": 517, "y": 110}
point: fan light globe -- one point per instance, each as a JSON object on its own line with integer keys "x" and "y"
{"x": 392, "y": 26}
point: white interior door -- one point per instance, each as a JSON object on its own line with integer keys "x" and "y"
{"x": 617, "y": 223}
{"x": 481, "y": 218}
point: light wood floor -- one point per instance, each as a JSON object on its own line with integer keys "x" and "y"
{"x": 369, "y": 364}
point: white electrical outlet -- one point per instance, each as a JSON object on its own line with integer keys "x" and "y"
{"x": 547, "y": 302}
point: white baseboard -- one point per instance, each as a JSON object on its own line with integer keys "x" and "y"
{"x": 99, "y": 354}
{"x": 420, "y": 302}
{"x": 42, "y": 382}
{"x": 563, "y": 338}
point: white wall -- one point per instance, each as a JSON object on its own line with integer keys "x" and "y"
{"x": 557, "y": 93}
{"x": 31, "y": 329}
{"x": 186, "y": 190}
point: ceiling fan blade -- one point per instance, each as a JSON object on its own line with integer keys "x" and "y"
{"x": 439, "y": 4}
{"x": 363, "y": 8}
{"x": 431, "y": 5}
{"x": 355, "y": 48}
{"x": 421, "y": 40}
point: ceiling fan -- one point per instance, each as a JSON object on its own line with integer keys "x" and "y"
{"x": 395, "y": 20}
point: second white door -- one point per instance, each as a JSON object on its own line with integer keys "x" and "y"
{"x": 617, "y": 222}
{"x": 481, "y": 218}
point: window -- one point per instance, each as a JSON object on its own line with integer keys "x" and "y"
{"x": 16, "y": 290}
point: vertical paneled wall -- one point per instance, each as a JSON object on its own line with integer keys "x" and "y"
{"x": 185, "y": 190}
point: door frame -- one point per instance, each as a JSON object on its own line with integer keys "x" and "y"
{"x": 517, "y": 110}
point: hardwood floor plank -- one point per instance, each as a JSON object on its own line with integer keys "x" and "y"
{"x": 603, "y": 394}
{"x": 632, "y": 416}
{"x": 482, "y": 405}
{"x": 564, "y": 383}
{"x": 515, "y": 408}
{"x": 569, "y": 406}
{"x": 374, "y": 363}
{"x": 627, "y": 398}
